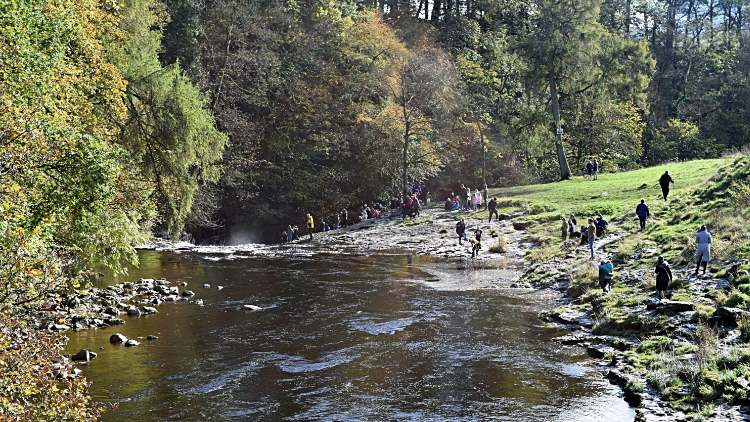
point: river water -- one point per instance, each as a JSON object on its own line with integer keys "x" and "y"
{"x": 342, "y": 337}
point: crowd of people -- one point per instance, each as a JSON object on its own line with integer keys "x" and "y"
{"x": 465, "y": 200}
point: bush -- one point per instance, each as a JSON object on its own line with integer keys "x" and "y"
{"x": 499, "y": 246}
{"x": 30, "y": 389}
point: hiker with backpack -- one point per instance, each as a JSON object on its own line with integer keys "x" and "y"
{"x": 642, "y": 212}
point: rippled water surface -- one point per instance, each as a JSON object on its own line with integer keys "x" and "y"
{"x": 342, "y": 338}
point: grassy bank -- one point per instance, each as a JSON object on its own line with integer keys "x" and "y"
{"x": 695, "y": 353}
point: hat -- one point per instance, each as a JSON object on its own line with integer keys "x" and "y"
{"x": 661, "y": 258}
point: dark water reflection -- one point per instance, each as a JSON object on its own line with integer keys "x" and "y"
{"x": 342, "y": 338}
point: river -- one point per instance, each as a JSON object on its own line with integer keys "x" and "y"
{"x": 342, "y": 337}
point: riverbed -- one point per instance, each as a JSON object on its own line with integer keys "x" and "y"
{"x": 342, "y": 337}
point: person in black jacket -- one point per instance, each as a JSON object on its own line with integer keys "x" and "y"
{"x": 492, "y": 206}
{"x": 663, "y": 277}
{"x": 461, "y": 230}
{"x": 664, "y": 181}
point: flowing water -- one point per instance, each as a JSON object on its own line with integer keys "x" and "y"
{"x": 383, "y": 337}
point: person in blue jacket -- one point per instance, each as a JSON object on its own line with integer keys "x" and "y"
{"x": 605, "y": 275}
{"x": 642, "y": 211}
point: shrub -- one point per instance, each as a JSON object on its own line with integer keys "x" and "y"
{"x": 30, "y": 389}
{"x": 499, "y": 246}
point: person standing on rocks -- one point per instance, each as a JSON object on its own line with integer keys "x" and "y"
{"x": 642, "y": 212}
{"x": 345, "y": 217}
{"x": 486, "y": 196}
{"x": 591, "y": 236}
{"x": 564, "y": 228}
{"x": 468, "y": 198}
{"x": 492, "y": 206}
{"x": 703, "y": 248}
{"x": 461, "y": 230}
{"x": 664, "y": 181}
{"x": 605, "y": 275}
{"x": 663, "y": 277}
{"x": 310, "y": 225}
{"x": 289, "y": 233}
{"x": 337, "y": 220}
{"x": 476, "y": 242}
{"x": 462, "y": 196}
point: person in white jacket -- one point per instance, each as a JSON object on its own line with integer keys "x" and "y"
{"x": 703, "y": 248}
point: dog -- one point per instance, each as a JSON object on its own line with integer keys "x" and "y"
{"x": 586, "y": 177}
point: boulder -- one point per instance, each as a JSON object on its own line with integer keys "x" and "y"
{"x": 111, "y": 310}
{"x": 152, "y": 337}
{"x": 571, "y": 339}
{"x": 207, "y": 286}
{"x": 188, "y": 293}
{"x": 133, "y": 311}
{"x": 83, "y": 355}
{"x": 170, "y": 298}
{"x": 504, "y": 217}
{"x": 219, "y": 287}
{"x": 155, "y": 301}
{"x": 174, "y": 290}
{"x": 728, "y": 316}
{"x": 522, "y": 225}
{"x": 117, "y": 338}
{"x": 59, "y": 327}
{"x": 132, "y": 343}
{"x": 143, "y": 290}
{"x": 114, "y": 321}
{"x": 183, "y": 284}
{"x": 149, "y": 310}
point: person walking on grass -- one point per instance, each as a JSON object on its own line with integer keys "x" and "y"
{"x": 663, "y": 277}
{"x": 591, "y": 236}
{"x": 492, "y": 206}
{"x": 664, "y": 181}
{"x": 571, "y": 228}
{"x": 703, "y": 249}
{"x": 590, "y": 169}
{"x": 596, "y": 170}
{"x": 564, "y": 228}
{"x": 642, "y": 211}
{"x": 605, "y": 275}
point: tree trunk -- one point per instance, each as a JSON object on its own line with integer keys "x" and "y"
{"x": 407, "y": 129}
{"x": 562, "y": 160}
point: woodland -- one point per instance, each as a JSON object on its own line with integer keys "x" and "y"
{"x": 196, "y": 116}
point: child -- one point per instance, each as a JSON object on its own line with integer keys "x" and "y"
{"x": 476, "y": 242}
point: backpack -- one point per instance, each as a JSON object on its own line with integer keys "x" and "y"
{"x": 408, "y": 201}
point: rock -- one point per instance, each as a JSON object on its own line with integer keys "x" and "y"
{"x": 170, "y": 298}
{"x": 183, "y": 284}
{"x": 174, "y": 290}
{"x": 199, "y": 302}
{"x": 149, "y": 310}
{"x": 522, "y": 225}
{"x": 117, "y": 338}
{"x": 152, "y": 337}
{"x": 133, "y": 311}
{"x": 670, "y": 306}
{"x": 571, "y": 339}
{"x": 163, "y": 282}
{"x": 576, "y": 317}
{"x": 505, "y": 216}
{"x": 251, "y": 308}
{"x": 188, "y": 293}
{"x": 598, "y": 351}
{"x": 143, "y": 290}
{"x": 728, "y": 316}
{"x": 111, "y": 310}
{"x": 114, "y": 321}
{"x": 59, "y": 327}
{"x": 155, "y": 301}
{"x": 83, "y": 355}
{"x": 132, "y": 343}
{"x": 219, "y": 287}
{"x": 207, "y": 286}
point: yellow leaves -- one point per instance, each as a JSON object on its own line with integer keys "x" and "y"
{"x": 15, "y": 188}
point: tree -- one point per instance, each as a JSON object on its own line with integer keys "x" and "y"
{"x": 567, "y": 50}
{"x": 168, "y": 132}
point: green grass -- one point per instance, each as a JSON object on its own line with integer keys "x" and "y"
{"x": 688, "y": 376}
{"x": 613, "y": 193}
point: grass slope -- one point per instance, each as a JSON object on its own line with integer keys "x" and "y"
{"x": 690, "y": 375}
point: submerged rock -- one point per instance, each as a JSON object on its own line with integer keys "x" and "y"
{"x": 252, "y": 308}
{"x": 152, "y": 337}
{"x": 188, "y": 293}
{"x": 132, "y": 343}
